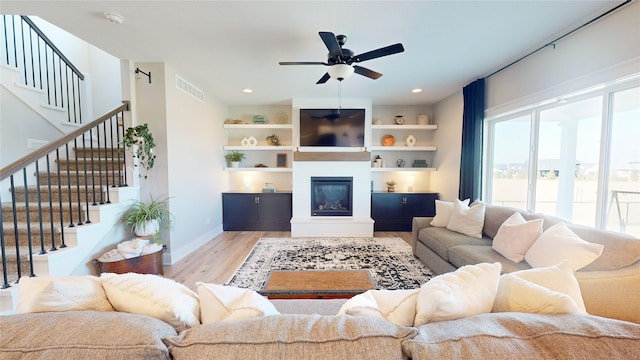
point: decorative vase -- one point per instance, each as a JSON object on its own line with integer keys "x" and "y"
{"x": 399, "y": 120}
{"x": 410, "y": 141}
{"x": 148, "y": 228}
{"x": 423, "y": 119}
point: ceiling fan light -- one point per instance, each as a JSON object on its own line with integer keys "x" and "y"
{"x": 340, "y": 71}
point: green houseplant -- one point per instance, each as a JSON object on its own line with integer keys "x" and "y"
{"x": 391, "y": 185}
{"x": 140, "y": 136}
{"x": 234, "y": 158}
{"x": 148, "y": 218}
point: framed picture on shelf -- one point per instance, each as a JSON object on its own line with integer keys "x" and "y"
{"x": 281, "y": 160}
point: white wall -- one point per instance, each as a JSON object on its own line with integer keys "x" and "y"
{"x": 448, "y": 116}
{"x": 603, "y": 51}
{"x": 577, "y": 62}
{"x": 190, "y": 165}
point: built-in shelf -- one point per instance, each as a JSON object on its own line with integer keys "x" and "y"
{"x": 404, "y": 148}
{"x": 261, "y": 169}
{"x": 396, "y": 169}
{"x": 266, "y": 147}
{"x": 258, "y": 126}
{"x": 404, "y": 127}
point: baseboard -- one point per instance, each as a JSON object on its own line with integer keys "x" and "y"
{"x": 174, "y": 255}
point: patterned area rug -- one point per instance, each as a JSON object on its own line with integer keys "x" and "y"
{"x": 389, "y": 260}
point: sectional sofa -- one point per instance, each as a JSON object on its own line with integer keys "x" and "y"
{"x": 610, "y": 285}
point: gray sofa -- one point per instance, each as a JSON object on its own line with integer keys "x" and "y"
{"x": 307, "y": 329}
{"x": 610, "y": 285}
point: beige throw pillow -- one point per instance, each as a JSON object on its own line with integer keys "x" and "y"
{"x": 467, "y": 220}
{"x": 225, "y": 303}
{"x": 63, "y": 293}
{"x": 443, "y": 213}
{"x": 468, "y": 291}
{"x": 548, "y": 290}
{"x": 397, "y": 306}
{"x": 559, "y": 243}
{"x": 515, "y": 236}
{"x": 155, "y": 296}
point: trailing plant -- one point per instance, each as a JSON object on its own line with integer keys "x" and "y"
{"x": 234, "y": 156}
{"x": 142, "y": 137}
{"x": 140, "y": 212}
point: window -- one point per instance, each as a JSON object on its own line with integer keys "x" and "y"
{"x": 576, "y": 157}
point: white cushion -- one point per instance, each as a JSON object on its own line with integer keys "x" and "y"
{"x": 468, "y": 220}
{"x": 559, "y": 243}
{"x": 41, "y": 294}
{"x": 468, "y": 291}
{"x": 153, "y": 295}
{"x": 443, "y": 213}
{"x": 548, "y": 290}
{"x": 224, "y": 303}
{"x": 397, "y": 306}
{"x": 515, "y": 236}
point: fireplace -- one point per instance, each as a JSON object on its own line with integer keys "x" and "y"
{"x": 331, "y": 196}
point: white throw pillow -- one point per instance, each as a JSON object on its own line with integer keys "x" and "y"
{"x": 225, "y": 303}
{"x": 155, "y": 296}
{"x": 65, "y": 293}
{"x": 397, "y": 306}
{"x": 548, "y": 290}
{"x": 559, "y": 243}
{"x": 467, "y": 220}
{"x": 468, "y": 291}
{"x": 515, "y": 236}
{"x": 443, "y": 213}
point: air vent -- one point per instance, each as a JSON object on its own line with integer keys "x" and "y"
{"x": 189, "y": 88}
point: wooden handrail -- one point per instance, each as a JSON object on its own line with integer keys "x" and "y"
{"x": 27, "y": 160}
{"x": 52, "y": 46}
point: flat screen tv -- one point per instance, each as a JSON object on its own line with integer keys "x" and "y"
{"x": 332, "y": 127}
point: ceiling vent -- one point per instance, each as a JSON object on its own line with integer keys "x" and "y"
{"x": 189, "y": 88}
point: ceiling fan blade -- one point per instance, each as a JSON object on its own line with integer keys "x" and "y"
{"x": 302, "y": 63}
{"x": 324, "y": 78}
{"x": 331, "y": 43}
{"x": 366, "y": 72}
{"x": 388, "y": 50}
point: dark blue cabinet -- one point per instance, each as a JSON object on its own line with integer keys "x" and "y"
{"x": 395, "y": 211}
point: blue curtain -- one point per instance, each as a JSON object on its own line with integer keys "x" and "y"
{"x": 472, "y": 129}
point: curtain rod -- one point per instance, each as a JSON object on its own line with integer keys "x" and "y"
{"x": 553, "y": 42}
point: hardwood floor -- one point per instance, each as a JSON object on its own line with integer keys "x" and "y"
{"x": 217, "y": 260}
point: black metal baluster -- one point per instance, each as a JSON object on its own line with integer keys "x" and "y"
{"x": 106, "y": 162}
{"x": 99, "y": 163}
{"x": 62, "y": 243}
{"x": 28, "y": 213}
{"x": 39, "y": 204}
{"x": 79, "y": 101}
{"x": 5, "y": 274}
{"x": 123, "y": 168}
{"x": 39, "y": 64}
{"x": 93, "y": 166}
{"x": 71, "y": 224}
{"x": 51, "y": 220}
{"x": 24, "y": 57}
{"x": 75, "y": 146}
{"x": 46, "y": 63}
{"x": 15, "y": 44}
{"x": 86, "y": 179}
{"x": 115, "y": 160}
{"x": 33, "y": 72}
{"x": 6, "y": 45}
{"x": 16, "y": 232}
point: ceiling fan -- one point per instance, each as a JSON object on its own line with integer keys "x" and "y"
{"x": 341, "y": 59}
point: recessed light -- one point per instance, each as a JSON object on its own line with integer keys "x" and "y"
{"x": 247, "y": 91}
{"x": 114, "y": 17}
{"x": 416, "y": 90}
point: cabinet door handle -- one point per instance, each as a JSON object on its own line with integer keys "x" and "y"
{"x": 404, "y": 199}
{"x": 257, "y": 199}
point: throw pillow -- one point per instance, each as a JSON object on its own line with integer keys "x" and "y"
{"x": 559, "y": 243}
{"x": 515, "y": 236}
{"x": 467, "y": 220}
{"x": 66, "y": 293}
{"x": 155, "y": 296}
{"x": 397, "y": 306}
{"x": 468, "y": 291}
{"x": 224, "y": 303}
{"x": 443, "y": 213}
{"x": 548, "y": 290}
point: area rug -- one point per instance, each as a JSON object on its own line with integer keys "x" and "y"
{"x": 389, "y": 260}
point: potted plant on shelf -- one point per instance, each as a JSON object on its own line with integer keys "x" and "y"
{"x": 234, "y": 158}
{"x": 140, "y": 140}
{"x": 391, "y": 185}
{"x": 147, "y": 219}
{"x": 273, "y": 140}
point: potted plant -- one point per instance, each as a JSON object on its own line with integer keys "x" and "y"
{"x": 140, "y": 136}
{"x": 234, "y": 158}
{"x": 147, "y": 219}
{"x": 391, "y": 185}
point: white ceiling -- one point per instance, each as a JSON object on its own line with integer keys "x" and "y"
{"x": 226, "y": 46}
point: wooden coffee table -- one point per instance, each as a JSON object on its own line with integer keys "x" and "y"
{"x": 317, "y": 284}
